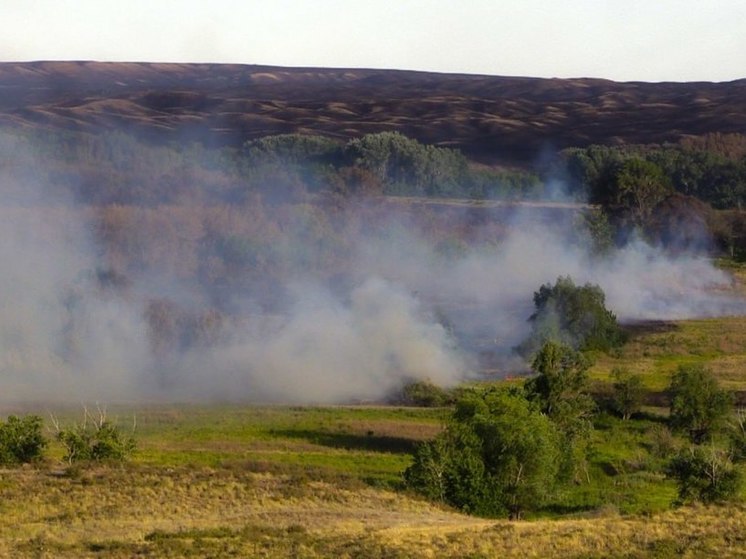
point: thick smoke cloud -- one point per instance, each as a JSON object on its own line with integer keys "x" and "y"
{"x": 406, "y": 310}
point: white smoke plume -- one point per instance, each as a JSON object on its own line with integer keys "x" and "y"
{"x": 406, "y": 311}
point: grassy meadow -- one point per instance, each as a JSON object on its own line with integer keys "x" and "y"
{"x": 312, "y": 481}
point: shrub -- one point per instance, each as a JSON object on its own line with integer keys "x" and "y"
{"x": 705, "y": 475}
{"x": 628, "y": 393}
{"x": 737, "y": 436}
{"x": 698, "y": 405}
{"x": 95, "y": 440}
{"x": 21, "y": 440}
{"x": 424, "y": 393}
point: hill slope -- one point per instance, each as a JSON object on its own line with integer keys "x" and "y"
{"x": 507, "y": 119}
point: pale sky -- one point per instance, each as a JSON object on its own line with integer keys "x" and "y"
{"x": 647, "y": 40}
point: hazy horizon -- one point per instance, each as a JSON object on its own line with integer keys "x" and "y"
{"x": 637, "y": 41}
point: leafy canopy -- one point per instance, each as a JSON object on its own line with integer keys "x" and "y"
{"x": 698, "y": 405}
{"x": 498, "y": 455}
{"x": 573, "y": 315}
{"x": 21, "y": 439}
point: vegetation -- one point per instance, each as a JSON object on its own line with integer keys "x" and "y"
{"x": 628, "y": 392}
{"x": 498, "y": 455}
{"x": 710, "y": 168}
{"x": 95, "y": 440}
{"x": 737, "y": 435}
{"x": 705, "y": 474}
{"x": 560, "y": 388}
{"x": 276, "y": 481}
{"x": 425, "y": 393}
{"x": 573, "y": 315}
{"x": 698, "y": 406}
{"x": 21, "y": 440}
{"x": 298, "y": 481}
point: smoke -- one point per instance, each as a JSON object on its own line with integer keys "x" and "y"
{"x": 404, "y": 308}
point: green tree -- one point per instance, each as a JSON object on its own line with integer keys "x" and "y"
{"x": 628, "y": 392}
{"x": 698, "y": 405}
{"x": 498, "y": 455}
{"x": 572, "y": 315}
{"x": 637, "y": 188}
{"x": 737, "y": 436}
{"x": 405, "y": 166}
{"x": 704, "y": 474}
{"x": 560, "y": 389}
{"x": 292, "y": 149}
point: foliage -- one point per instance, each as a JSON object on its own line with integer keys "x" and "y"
{"x": 497, "y": 184}
{"x": 96, "y": 440}
{"x": 573, "y": 315}
{"x": 711, "y": 168}
{"x": 560, "y": 381}
{"x": 21, "y": 439}
{"x": 560, "y": 389}
{"x": 498, "y": 455}
{"x": 292, "y": 149}
{"x": 704, "y": 474}
{"x": 406, "y": 166}
{"x": 737, "y": 436}
{"x": 424, "y": 393}
{"x": 595, "y": 224}
{"x": 628, "y": 392}
{"x": 698, "y": 406}
{"x": 635, "y": 188}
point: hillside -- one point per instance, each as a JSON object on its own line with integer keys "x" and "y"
{"x": 493, "y": 118}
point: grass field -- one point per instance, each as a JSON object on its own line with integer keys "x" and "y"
{"x": 241, "y": 481}
{"x": 656, "y": 349}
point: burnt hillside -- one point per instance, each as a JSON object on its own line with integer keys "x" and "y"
{"x": 492, "y": 118}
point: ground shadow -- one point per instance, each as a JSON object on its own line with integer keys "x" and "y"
{"x": 351, "y": 441}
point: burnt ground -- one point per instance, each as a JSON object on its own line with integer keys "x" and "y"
{"x": 495, "y": 119}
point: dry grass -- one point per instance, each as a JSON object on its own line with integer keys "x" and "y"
{"x": 200, "y": 512}
{"x": 658, "y": 349}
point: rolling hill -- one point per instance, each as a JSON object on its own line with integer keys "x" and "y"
{"x": 510, "y": 120}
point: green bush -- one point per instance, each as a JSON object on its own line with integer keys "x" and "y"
{"x": 498, "y": 456}
{"x": 737, "y": 436}
{"x": 628, "y": 393}
{"x": 96, "y": 441}
{"x": 704, "y": 474}
{"x": 21, "y": 440}
{"x": 698, "y": 405}
{"x": 425, "y": 394}
{"x": 573, "y": 315}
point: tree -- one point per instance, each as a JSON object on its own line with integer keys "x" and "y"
{"x": 698, "y": 405}
{"x": 559, "y": 388}
{"x": 498, "y": 455}
{"x": 637, "y": 188}
{"x": 561, "y": 380}
{"x": 704, "y": 474}
{"x": 405, "y": 166}
{"x": 572, "y": 315}
{"x": 737, "y": 436}
{"x": 628, "y": 392}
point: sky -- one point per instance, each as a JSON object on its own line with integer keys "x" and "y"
{"x": 623, "y": 40}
